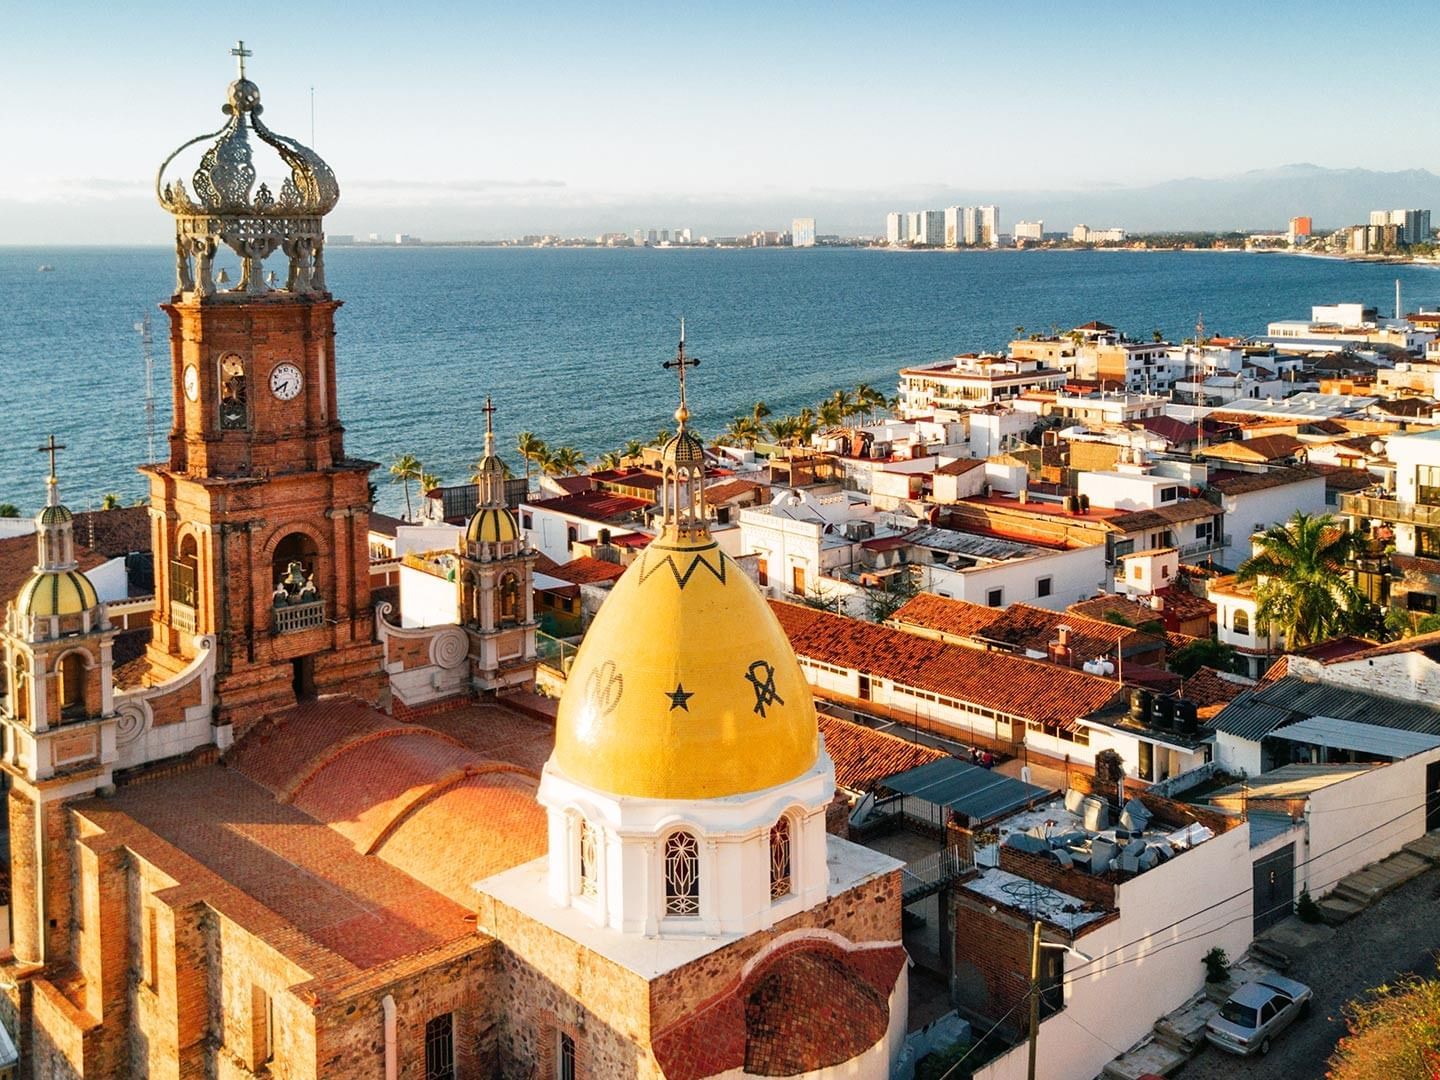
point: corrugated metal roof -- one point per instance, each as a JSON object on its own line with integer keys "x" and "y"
{"x": 1256, "y": 713}
{"x": 979, "y": 794}
{"x": 1327, "y": 731}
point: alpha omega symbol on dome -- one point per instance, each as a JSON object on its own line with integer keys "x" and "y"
{"x": 762, "y": 677}
{"x": 604, "y": 687}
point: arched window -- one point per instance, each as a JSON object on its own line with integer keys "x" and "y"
{"x": 509, "y": 599}
{"x": 20, "y": 688}
{"x": 1241, "y": 623}
{"x": 682, "y": 874}
{"x": 780, "y": 877}
{"x": 72, "y": 687}
{"x": 588, "y": 855}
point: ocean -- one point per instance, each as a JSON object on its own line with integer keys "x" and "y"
{"x": 569, "y": 342}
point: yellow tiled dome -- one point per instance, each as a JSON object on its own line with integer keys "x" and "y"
{"x": 685, "y": 686}
{"x": 492, "y": 525}
{"x": 56, "y": 592}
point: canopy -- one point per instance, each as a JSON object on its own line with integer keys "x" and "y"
{"x": 1335, "y": 734}
{"x": 978, "y": 794}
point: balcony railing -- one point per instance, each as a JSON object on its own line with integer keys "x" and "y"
{"x": 1201, "y": 547}
{"x": 182, "y": 582}
{"x": 182, "y": 617}
{"x": 1370, "y": 506}
{"x": 932, "y": 873}
{"x": 296, "y": 617}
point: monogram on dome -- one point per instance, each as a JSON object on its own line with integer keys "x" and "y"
{"x": 224, "y": 204}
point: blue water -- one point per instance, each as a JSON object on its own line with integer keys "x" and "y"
{"x": 570, "y": 342}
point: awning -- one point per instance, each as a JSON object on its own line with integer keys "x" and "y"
{"x": 1335, "y": 734}
{"x": 976, "y": 793}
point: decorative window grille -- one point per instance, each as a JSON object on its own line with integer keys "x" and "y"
{"x": 440, "y": 1048}
{"x": 780, "y": 859}
{"x": 682, "y": 875}
{"x": 589, "y": 885}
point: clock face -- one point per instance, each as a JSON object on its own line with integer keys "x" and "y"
{"x": 286, "y": 381}
{"x": 192, "y": 382}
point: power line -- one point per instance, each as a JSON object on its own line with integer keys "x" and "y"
{"x": 993, "y": 1027}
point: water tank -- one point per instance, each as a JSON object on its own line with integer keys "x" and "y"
{"x": 1085, "y": 502}
{"x": 1164, "y": 712}
{"x": 1139, "y": 704}
{"x": 1186, "y": 715}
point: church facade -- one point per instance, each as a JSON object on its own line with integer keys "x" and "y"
{"x": 296, "y": 840}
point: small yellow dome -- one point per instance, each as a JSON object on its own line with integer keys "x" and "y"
{"x": 56, "y": 592}
{"x": 492, "y": 525}
{"x": 685, "y": 686}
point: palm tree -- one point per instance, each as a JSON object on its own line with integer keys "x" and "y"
{"x": 806, "y": 424}
{"x": 759, "y": 411}
{"x": 742, "y": 431}
{"x": 782, "y": 429}
{"x": 404, "y": 470}
{"x": 110, "y": 501}
{"x": 869, "y": 399}
{"x": 428, "y": 483}
{"x": 661, "y": 437}
{"x": 830, "y": 414}
{"x": 1301, "y": 575}
{"x": 564, "y": 461}
{"x": 610, "y": 459}
{"x": 531, "y": 449}
{"x": 9, "y": 510}
{"x": 632, "y": 450}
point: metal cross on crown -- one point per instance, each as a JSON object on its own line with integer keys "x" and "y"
{"x": 682, "y": 362}
{"x": 51, "y": 447}
{"x": 240, "y": 53}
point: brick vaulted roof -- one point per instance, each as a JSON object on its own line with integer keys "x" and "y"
{"x": 416, "y": 797}
{"x": 1044, "y": 693}
{"x": 864, "y": 757}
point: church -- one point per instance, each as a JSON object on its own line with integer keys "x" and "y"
{"x": 296, "y": 839}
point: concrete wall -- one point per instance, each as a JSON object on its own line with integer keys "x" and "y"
{"x": 1115, "y": 1000}
{"x": 1237, "y": 755}
{"x": 1076, "y": 574}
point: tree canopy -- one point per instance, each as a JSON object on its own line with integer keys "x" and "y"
{"x": 1302, "y": 582}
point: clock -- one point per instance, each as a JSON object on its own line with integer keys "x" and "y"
{"x": 286, "y": 381}
{"x": 192, "y": 382}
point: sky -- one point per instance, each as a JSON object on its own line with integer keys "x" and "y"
{"x": 491, "y": 119}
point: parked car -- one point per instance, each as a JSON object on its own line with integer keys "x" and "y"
{"x": 1256, "y": 1013}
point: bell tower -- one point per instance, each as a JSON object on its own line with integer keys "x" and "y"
{"x": 260, "y": 521}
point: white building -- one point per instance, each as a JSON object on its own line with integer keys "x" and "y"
{"x": 897, "y": 228}
{"x": 995, "y": 572}
{"x": 802, "y": 232}
{"x": 932, "y": 229}
{"x": 801, "y": 537}
{"x": 989, "y": 225}
{"x": 1030, "y": 230}
{"x": 969, "y": 382}
{"x": 1254, "y": 501}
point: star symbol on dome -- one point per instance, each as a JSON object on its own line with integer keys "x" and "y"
{"x": 678, "y": 697}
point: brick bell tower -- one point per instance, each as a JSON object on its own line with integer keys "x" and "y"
{"x": 260, "y": 522}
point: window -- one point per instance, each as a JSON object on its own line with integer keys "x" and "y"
{"x": 565, "y": 1063}
{"x": 1169, "y": 494}
{"x": 510, "y": 599}
{"x": 1241, "y": 623}
{"x": 234, "y": 403}
{"x": 1420, "y": 601}
{"x": 762, "y": 571}
{"x": 780, "y": 885}
{"x": 527, "y": 521}
{"x": 72, "y": 687}
{"x": 682, "y": 875}
{"x": 262, "y": 1026}
{"x": 152, "y": 949}
{"x": 995, "y": 598}
{"x": 1044, "y": 586}
{"x": 1427, "y": 485}
{"x": 588, "y": 857}
{"x": 797, "y": 580}
{"x": 571, "y": 534}
{"x": 1136, "y": 571}
{"x": 440, "y": 1048}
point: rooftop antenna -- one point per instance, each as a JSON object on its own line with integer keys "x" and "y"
{"x": 1398, "y": 308}
{"x": 148, "y": 351}
{"x": 312, "y": 117}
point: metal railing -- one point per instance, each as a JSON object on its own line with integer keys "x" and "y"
{"x": 1200, "y": 547}
{"x": 932, "y": 873}
{"x": 1370, "y": 506}
{"x": 182, "y": 582}
{"x": 295, "y": 617}
{"x": 555, "y": 653}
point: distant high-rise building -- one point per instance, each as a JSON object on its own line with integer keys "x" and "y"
{"x": 1030, "y": 230}
{"x": 970, "y": 225}
{"x": 652, "y": 237}
{"x": 684, "y": 236}
{"x": 897, "y": 227}
{"x": 664, "y": 236}
{"x": 989, "y": 225}
{"x": 912, "y": 227}
{"x": 1300, "y": 229}
{"x": 954, "y": 226}
{"x": 802, "y": 232}
{"x": 932, "y": 228}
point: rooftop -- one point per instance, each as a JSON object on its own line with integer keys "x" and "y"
{"x": 863, "y": 756}
{"x": 1240, "y": 483}
{"x": 1258, "y": 712}
{"x": 593, "y": 506}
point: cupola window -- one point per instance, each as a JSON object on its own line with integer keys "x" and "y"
{"x": 588, "y": 857}
{"x": 682, "y": 875}
{"x": 72, "y": 687}
{"x": 510, "y": 599}
{"x": 780, "y": 877}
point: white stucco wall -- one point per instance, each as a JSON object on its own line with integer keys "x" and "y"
{"x": 1236, "y": 755}
{"x": 1167, "y": 913}
{"x": 426, "y": 600}
{"x": 1076, "y": 574}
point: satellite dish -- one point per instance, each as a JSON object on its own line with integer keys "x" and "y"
{"x": 1377, "y": 447}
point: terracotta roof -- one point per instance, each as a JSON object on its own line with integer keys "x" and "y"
{"x": 17, "y": 563}
{"x": 958, "y": 618}
{"x": 587, "y": 570}
{"x": 115, "y": 532}
{"x": 1174, "y": 514}
{"x": 1018, "y": 687}
{"x": 1175, "y": 432}
{"x": 1033, "y": 628}
{"x": 593, "y": 505}
{"x": 1108, "y": 604}
{"x": 864, "y": 757}
{"x": 1264, "y": 448}
{"x": 1210, "y": 687}
{"x": 1094, "y": 324}
{"x": 1339, "y": 478}
{"x": 959, "y": 467}
{"x": 1353, "y": 648}
{"x": 731, "y": 489}
{"x": 384, "y": 524}
{"x": 1239, "y": 483}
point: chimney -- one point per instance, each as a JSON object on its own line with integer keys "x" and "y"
{"x": 1059, "y": 650}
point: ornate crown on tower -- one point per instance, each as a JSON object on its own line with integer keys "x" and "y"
{"x": 224, "y": 205}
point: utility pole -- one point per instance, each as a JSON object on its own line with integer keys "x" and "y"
{"x": 1034, "y": 996}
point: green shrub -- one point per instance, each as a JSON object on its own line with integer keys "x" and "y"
{"x": 1217, "y": 965}
{"x": 1306, "y": 908}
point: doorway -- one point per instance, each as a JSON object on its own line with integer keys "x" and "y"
{"x": 303, "y": 679}
{"x": 1432, "y": 796}
{"x": 864, "y": 687}
{"x": 1274, "y": 887}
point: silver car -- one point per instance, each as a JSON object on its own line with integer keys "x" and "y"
{"x": 1256, "y": 1013}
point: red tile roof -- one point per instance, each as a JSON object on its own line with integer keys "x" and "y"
{"x": 864, "y": 757}
{"x": 1264, "y": 448}
{"x": 1036, "y": 691}
{"x": 587, "y": 570}
{"x": 731, "y": 489}
{"x": 957, "y": 618}
{"x": 1239, "y": 483}
{"x": 593, "y": 505}
{"x": 1210, "y": 687}
{"x": 1025, "y": 627}
{"x": 114, "y": 532}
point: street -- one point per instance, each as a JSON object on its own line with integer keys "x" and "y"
{"x": 1399, "y": 934}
